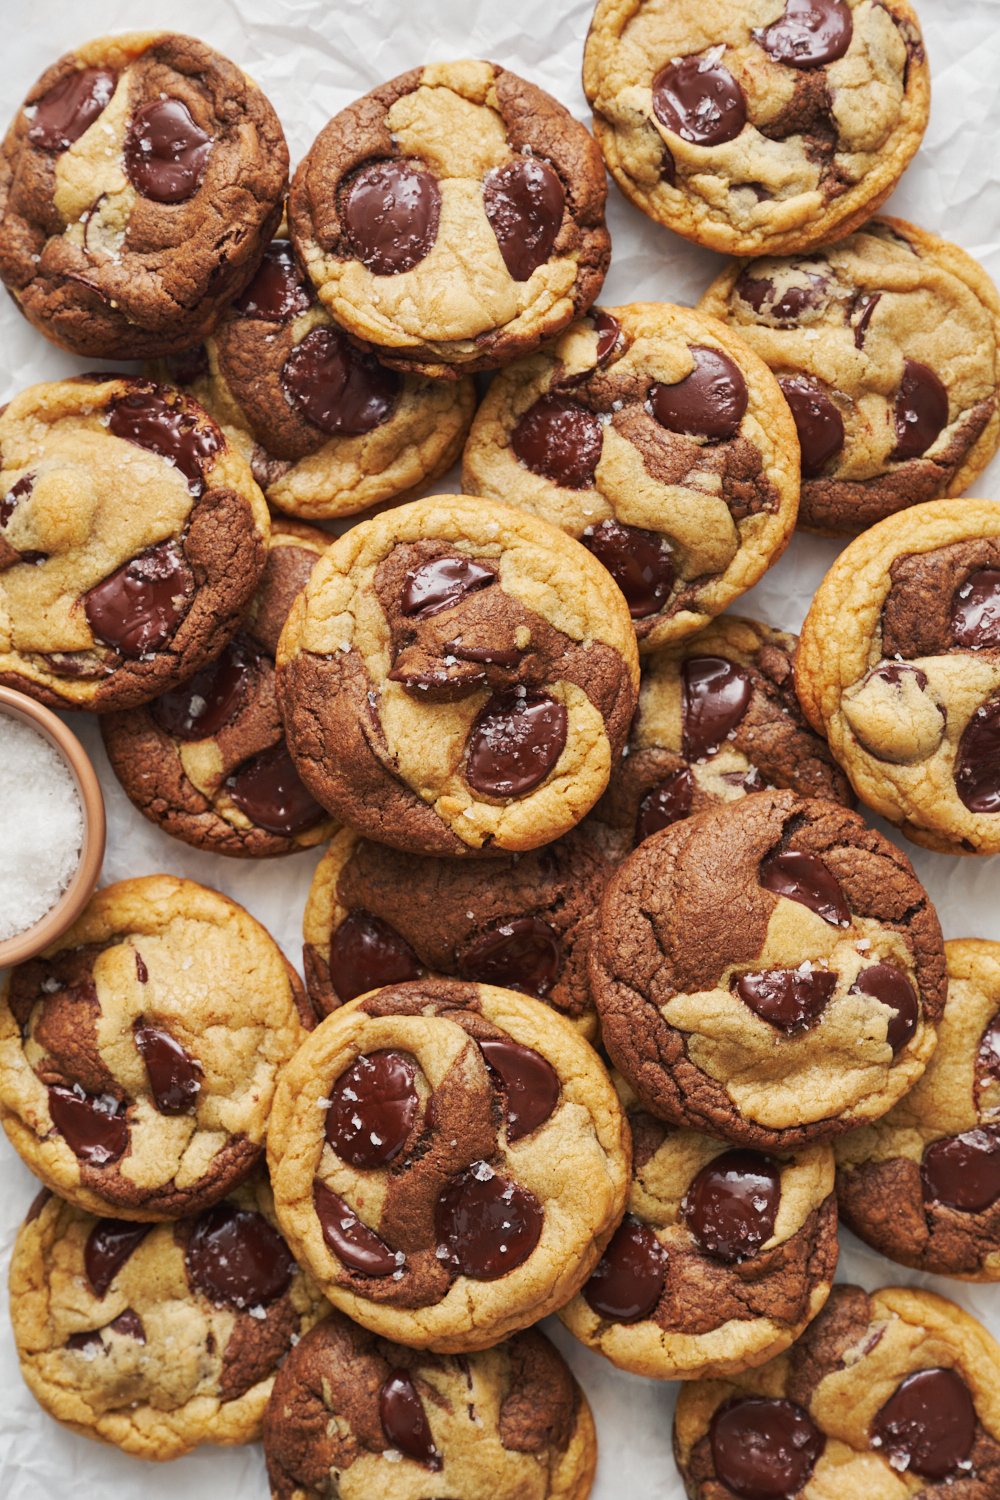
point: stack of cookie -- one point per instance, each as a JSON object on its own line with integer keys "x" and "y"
{"x": 614, "y": 1002}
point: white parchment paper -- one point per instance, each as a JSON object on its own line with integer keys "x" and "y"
{"x": 313, "y": 57}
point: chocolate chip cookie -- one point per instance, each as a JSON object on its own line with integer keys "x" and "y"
{"x": 722, "y": 1258}
{"x": 658, "y": 441}
{"x": 457, "y": 678}
{"x": 157, "y": 1337}
{"x": 328, "y": 430}
{"x": 139, "y": 184}
{"x": 448, "y": 1160}
{"x": 207, "y": 761}
{"x": 923, "y": 1184}
{"x": 717, "y": 720}
{"x": 895, "y": 1393}
{"x": 132, "y": 536}
{"x": 770, "y": 971}
{"x": 354, "y": 1415}
{"x": 899, "y": 666}
{"x": 886, "y": 346}
{"x": 453, "y": 217}
{"x": 757, "y": 125}
{"x": 138, "y": 1055}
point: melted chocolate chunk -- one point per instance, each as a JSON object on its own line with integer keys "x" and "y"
{"x": 391, "y": 212}
{"x": 336, "y": 386}
{"x": 14, "y": 496}
{"x": 630, "y": 1276}
{"x": 977, "y": 765}
{"x": 138, "y": 607}
{"x": 404, "y": 1421}
{"x": 366, "y": 953}
{"x": 440, "y": 584}
{"x": 279, "y": 291}
{"x": 524, "y": 202}
{"x": 174, "y": 1075}
{"x": 809, "y": 34}
{"x": 975, "y": 611}
{"x": 514, "y": 744}
{"x": 185, "y": 437}
{"x": 732, "y": 1204}
{"x": 486, "y": 1224}
{"x": 806, "y": 879}
{"x": 963, "y": 1171}
{"x": 988, "y": 1057}
{"x": 83, "y": 1342}
{"x": 700, "y": 101}
{"x": 665, "y": 804}
{"x": 521, "y": 953}
{"x": 784, "y": 308}
{"x": 715, "y": 694}
{"x": 928, "y": 1425}
{"x": 372, "y": 1108}
{"x": 70, "y": 107}
{"x": 862, "y": 314}
{"x": 560, "y": 440}
{"x": 108, "y": 1247}
{"x": 890, "y": 986}
{"x": 141, "y": 972}
{"x": 921, "y": 410}
{"x": 209, "y": 700}
{"x": 817, "y": 421}
{"x": 640, "y": 562}
{"x": 94, "y": 1127}
{"x": 708, "y": 403}
{"x": 762, "y": 1448}
{"x": 38, "y": 1202}
{"x": 529, "y": 1083}
{"x": 235, "y": 1258}
{"x": 359, "y": 1247}
{"x": 166, "y": 153}
{"x": 129, "y": 1325}
{"x": 609, "y": 333}
{"x": 269, "y": 790}
{"x": 787, "y": 999}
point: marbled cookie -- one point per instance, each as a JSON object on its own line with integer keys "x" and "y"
{"x": 139, "y": 184}
{"x": 886, "y": 346}
{"x": 661, "y": 443}
{"x": 449, "y": 1160}
{"x": 457, "y": 677}
{"x": 139, "y": 1054}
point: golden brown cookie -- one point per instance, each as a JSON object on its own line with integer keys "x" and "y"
{"x": 887, "y": 1395}
{"x": 157, "y": 1337}
{"x": 722, "y": 1258}
{"x": 453, "y": 217}
{"x": 661, "y": 443}
{"x": 457, "y": 678}
{"x": 139, "y": 184}
{"x": 757, "y": 125}
{"x": 923, "y": 1183}
{"x": 357, "y": 1416}
{"x": 132, "y": 536}
{"x": 207, "y": 761}
{"x": 899, "y": 666}
{"x": 448, "y": 1160}
{"x": 770, "y": 971}
{"x": 139, "y": 1054}
{"x": 886, "y": 346}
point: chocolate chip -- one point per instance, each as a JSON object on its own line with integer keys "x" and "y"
{"x": 359, "y": 1247}
{"x": 609, "y": 334}
{"x": 514, "y": 744}
{"x": 809, "y": 34}
{"x": 486, "y": 1224}
{"x": 641, "y": 563}
{"x": 141, "y": 972}
{"x": 94, "y": 1127}
{"x": 700, "y": 101}
{"x": 269, "y": 791}
{"x": 963, "y": 1171}
{"x": 665, "y": 804}
{"x": 817, "y": 421}
{"x": 530, "y": 1084}
{"x": 170, "y": 426}
{"x": 806, "y": 879}
{"x": 524, "y": 202}
{"x": 442, "y": 583}
{"x": 630, "y": 1276}
{"x": 109, "y": 1245}
{"x": 708, "y": 403}
{"x": 209, "y": 700}
{"x": 928, "y": 1425}
{"x": 129, "y": 1325}
{"x": 366, "y": 953}
{"x": 921, "y": 410}
{"x": 977, "y": 765}
{"x": 338, "y": 387}
{"x": 278, "y": 292}
{"x": 82, "y": 1343}
{"x": 763, "y": 1448}
{"x": 166, "y": 153}
{"x": 234, "y": 1257}
{"x": 174, "y": 1075}
{"x": 560, "y": 440}
{"x": 517, "y": 953}
{"x": 715, "y": 694}
{"x": 861, "y": 315}
{"x": 789, "y": 999}
{"x": 785, "y": 308}
{"x": 890, "y": 986}
{"x": 391, "y": 211}
{"x": 975, "y": 611}
{"x": 138, "y": 608}
{"x": 404, "y": 1421}
{"x": 70, "y": 107}
{"x": 372, "y": 1108}
{"x": 732, "y": 1204}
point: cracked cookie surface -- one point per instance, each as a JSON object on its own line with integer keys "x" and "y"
{"x": 762, "y": 125}
{"x": 139, "y": 184}
{"x": 886, "y": 346}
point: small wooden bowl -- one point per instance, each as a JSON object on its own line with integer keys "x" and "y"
{"x": 74, "y": 898}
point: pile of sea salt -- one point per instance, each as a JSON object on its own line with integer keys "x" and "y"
{"x": 42, "y": 823}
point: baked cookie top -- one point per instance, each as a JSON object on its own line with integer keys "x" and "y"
{"x": 885, "y": 346}
{"x": 132, "y": 535}
{"x": 207, "y": 761}
{"x": 722, "y": 1258}
{"x": 891, "y": 1394}
{"x": 139, "y": 183}
{"x": 138, "y": 1055}
{"x": 923, "y": 1184}
{"x": 457, "y": 677}
{"x": 770, "y": 971}
{"x": 661, "y": 443}
{"x": 449, "y": 1160}
{"x": 759, "y": 125}
{"x": 157, "y": 1337}
{"x": 328, "y": 430}
{"x": 354, "y": 1415}
{"x": 899, "y": 665}
{"x": 454, "y": 217}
